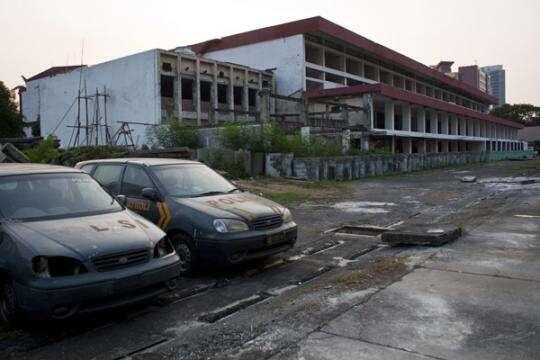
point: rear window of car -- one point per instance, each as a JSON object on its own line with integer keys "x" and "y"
{"x": 88, "y": 168}
{"x": 108, "y": 176}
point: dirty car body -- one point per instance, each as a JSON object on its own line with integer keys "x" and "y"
{"x": 195, "y": 205}
{"x": 68, "y": 247}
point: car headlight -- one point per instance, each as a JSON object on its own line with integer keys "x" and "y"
{"x": 230, "y": 225}
{"x": 163, "y": 247}
{"x": 47, "y": 267}
{"x": 287, "y": 216}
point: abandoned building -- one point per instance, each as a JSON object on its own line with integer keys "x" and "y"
{"x": 317, "y": 75}
{"x": 142, "y": 90}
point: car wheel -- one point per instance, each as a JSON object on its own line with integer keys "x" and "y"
{"x": 8, "y": 306}
{"x": 184, "y": 252}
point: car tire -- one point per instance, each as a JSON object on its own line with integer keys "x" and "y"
{"x": 185, "y": 253}
{"x": 9, "y": 314}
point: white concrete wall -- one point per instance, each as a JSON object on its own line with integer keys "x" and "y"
{"x": 130, "y": 81}
{"x": 285, "y": 54}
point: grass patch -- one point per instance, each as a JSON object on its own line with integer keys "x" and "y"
{"x": 286, "y": 197}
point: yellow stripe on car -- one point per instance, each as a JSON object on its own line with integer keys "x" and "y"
{"x": 161, "y": 215}
{"x": 167, "y": 219}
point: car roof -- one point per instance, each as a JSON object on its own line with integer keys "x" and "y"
{"x": 29, "y": 168}
{"x": 140, "y": 161}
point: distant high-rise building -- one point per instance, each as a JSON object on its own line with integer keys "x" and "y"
{"x": 497, "y": 81}
{"x": 475, "y": 76}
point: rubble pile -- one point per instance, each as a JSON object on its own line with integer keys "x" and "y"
{"x": 10, "y": 154}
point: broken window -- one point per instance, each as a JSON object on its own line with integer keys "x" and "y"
{"x": 187, "y": 89}
{"x": 379, "y": 120}
{"x": 222, "y": 94}
{"x": 167, "y": 86}
{"x": 166, "y": 66}
{"x": 313, "y": 85}
{"x": 238, "y": 92}
{"x": 252, "y": 97}
{"x": 206, "y": 90}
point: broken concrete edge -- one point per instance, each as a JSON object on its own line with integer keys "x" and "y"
{"x": 468, "y": 179}
{"x": 10, "y": 153}
{"x": 422, "y": 235}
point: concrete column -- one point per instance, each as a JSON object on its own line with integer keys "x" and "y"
{"x": 455, "y": 125}
{"x": 198, "y": 91}
{"x": 230, "y": 93}
{"x": 178, "y": 88}
{"x": 389, "y": 115}
{"x": 421, "y": 119}
{"x": 245, "y": 95}
{"x": 406, "y": 115}
{"x": 212, "y": 114}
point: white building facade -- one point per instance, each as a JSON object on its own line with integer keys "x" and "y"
{"x": 408, "y": 106}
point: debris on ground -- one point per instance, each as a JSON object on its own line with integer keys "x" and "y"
{"x": 10, "y": 154}
{"x": 434, "y": 235}
{"x": 468, "y": 179}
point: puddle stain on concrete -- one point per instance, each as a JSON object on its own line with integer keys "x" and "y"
{"x": 365, "y": 207}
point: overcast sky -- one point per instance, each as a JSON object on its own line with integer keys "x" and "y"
{"x": 43, "y": 33}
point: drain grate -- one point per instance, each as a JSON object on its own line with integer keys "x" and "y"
{"x": 360, "y": 230}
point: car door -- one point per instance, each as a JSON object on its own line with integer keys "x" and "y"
{"x": 134, "y": 180}
{"x": 108, "y": 175}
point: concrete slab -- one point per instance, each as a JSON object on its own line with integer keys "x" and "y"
{"x": 434, "y": 235}
{"x": 323, "y": 346}
{"x": 450, "y": 315}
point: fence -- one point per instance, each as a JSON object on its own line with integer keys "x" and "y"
{"x": 355, "y": 167}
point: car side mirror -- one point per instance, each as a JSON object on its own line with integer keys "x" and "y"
{"x": 150, "y": 194}
{"x": 121, "y": 199}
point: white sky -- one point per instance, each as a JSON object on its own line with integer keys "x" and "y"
{"x": 43, "y": 33}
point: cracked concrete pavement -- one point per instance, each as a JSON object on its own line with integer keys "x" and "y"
{"x": 348, "y": 297}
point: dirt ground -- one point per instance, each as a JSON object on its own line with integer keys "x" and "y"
{"x": 338, "y": 295}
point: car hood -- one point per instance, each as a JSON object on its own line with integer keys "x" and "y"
{"x": 245, "y": 206}
{"x": 89, "y": 236}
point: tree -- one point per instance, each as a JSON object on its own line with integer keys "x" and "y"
{"x": 11, "y": 124}
{"x": 522, "y": 113}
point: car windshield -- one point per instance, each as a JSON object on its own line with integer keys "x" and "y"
{"x": 39, "y": 196}
{"x": 192, "y": 180}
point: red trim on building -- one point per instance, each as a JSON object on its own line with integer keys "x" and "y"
{"x": 55, "y": 70}
{"x": 402, "y": 95}
{"x": 320, "y": 24}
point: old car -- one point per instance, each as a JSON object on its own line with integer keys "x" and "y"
{"x": 68, "y": 247}
{"x": 208, "y": 219}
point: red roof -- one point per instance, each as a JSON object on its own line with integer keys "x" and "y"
{"x": 320, "y": 24}
{"x": 55, "y": 70}
{"x": 402, "y": 95}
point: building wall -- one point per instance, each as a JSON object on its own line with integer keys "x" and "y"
{"x": 497, "y": 80}
{"x": 285, "y": 54}
{"x": 130, "y": 81}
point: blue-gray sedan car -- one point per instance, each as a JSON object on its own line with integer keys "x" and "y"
{"x": 68, "y": 247}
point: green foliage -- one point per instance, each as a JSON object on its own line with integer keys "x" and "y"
{"x": 233, "y": 168}
{"x": 176, "y": 133}
{"x": 72, "y": 156}
{"x": 11, "y": 124}
{"x": 46, "y": 152}
{"x": 522, "y": 113}
{"x": 270, "y": 138}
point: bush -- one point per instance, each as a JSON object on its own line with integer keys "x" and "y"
{"x": 218, "y": 161}
{"x": 72, "y": 156}
{"x": 269, "y": 137}
{"x": 175, "y": 133}
{"x": 45, "y": 153}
